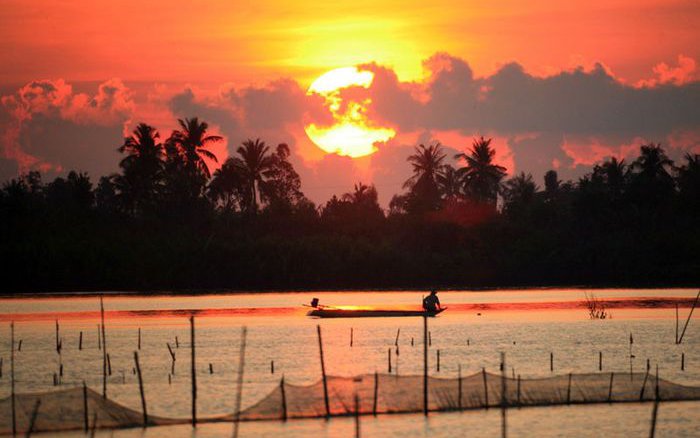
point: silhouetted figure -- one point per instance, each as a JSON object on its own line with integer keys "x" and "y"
{"x": 431, "y": 303}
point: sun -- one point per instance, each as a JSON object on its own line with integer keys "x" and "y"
{"x": 352, "y": 133}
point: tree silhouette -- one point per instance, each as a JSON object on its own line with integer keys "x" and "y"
{"x": 614, "y": 174}
{"x": 449, "y": 182}
{"x": 519, "y": 192}
{"x": 226, "y": 186}
{"x": 138, "y": 185}
{"x": 689, "y": 183}
{"x": 424, "y": 194}
{"x": 651, "y": 180}
{"x": 191, "y": 140}
{"x": 254, "y": 164}
{"x": 481, "y": 178}
{"x": 280, "y": 187}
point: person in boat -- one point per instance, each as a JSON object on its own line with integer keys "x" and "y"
{"x": 431, "y": 303}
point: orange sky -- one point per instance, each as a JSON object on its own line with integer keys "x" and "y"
{"x": 604, "y": 76}
{"x": 253, "y": 42}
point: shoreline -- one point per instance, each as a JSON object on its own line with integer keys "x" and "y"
{"x": 217, "y": 291}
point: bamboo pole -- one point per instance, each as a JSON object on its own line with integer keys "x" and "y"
{"x": 99, "y": 337}
{"x": 357, "y": 416}
{"x": 12, "y": 378}
{"x": 631, "y": 357}
{"x": 610, "y": 388}
{"x": 676, "y": 323}
{"x": 486, "y": 389}
{"x": 143, "y": 396}
{"x": 655, "y": 410}
{"x": 376, "y": 393}
{"x": 193, "y": 370}
{"x": 80, "y": 341}
{"x": 94, "y": 425}
{"x": 504, "y": 423}
{"x": 104, "y": 348}
{"x": 682, "y": 361}
{"x": 32, "y": 421}
{"x": 388, "y": 360}
{"x": 426, "y": 340}
{"x": 551, "y": 361}
{"x": 323, "y": 372}
{"x": 85, "y": 408}
{"x": 139, "y": 339}
{"x": 351, "y": 336}
{"x": 239, "y": 387}
{"x": 438, "y": 360}
{"x": 644, "y": 385}
{"x": 680, "y": 339}
{"x": 284, "y": 399}
{"x": 459, "y": 387}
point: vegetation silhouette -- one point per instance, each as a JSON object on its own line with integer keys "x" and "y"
{"x": 165, "y": 223}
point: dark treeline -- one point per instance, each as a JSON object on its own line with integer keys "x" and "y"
{"x": 164, "y": 223}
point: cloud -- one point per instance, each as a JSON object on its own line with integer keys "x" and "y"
{"x": 48, "y": 127}
{"x": 566, "y": 120}
{"x": 683, "y": 73}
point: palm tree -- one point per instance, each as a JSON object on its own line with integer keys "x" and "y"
{"x": 449, "y": 182}
{"x": 615, "y": 174}
{"x": 426, "y": 162}
{"x": 652, "y": 163}
{"x": 481, "y": 178}
{"x": 142, "y": 167}
{"x": 424, "y": 194}
{"x": 254, "y": 164}
{"x": 689, "y": 182}
{"x": 191, "y": 142}
{"x": 226, "y": 186}
{"x": 142, "y": 147}
{"x": 519, "y": 190}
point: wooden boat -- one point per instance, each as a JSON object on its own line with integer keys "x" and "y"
{"x": 335, "y": 312}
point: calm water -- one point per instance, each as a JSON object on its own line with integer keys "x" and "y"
{"x": 527, "y": 325}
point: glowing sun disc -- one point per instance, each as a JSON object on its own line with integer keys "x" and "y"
{"x": 352, "y": 133}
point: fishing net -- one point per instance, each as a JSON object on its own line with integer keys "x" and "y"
{"x": 375, "y": 393}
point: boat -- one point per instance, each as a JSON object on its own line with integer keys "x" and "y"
{"x": 336, "y": 312}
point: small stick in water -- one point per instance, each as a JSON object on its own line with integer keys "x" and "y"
{"x": 143, "y": 396}
{"x": 139, "y": 339}
{"x": 682, "y": 361}
{"x": 211, "y": 368}
{"x": 351, "y": 336}
{"x": 35, "y": 413}
{"x": 600, "y": 361}
{"x": 177, "y": 343}
{"x": 438, "y": 360}
{"x": 85, "y": 408}
{"x": 99, "y": 338}
{"x": 19, "y": 347}
{"x": 388, "y": 358}
{"x": 109, "y": 365}
{"x": 272, "y": 367}
{"x": 551, "y": 362}
{"x": 80, "y": 344}
{"x": 680, "y": 339}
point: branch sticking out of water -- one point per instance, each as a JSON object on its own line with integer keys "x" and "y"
{"x": 596, "y": 307}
